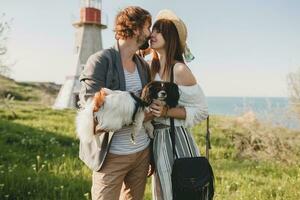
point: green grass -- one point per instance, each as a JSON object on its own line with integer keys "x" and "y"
{"x": 39, "y": 155}
{"x": 39, "y": 158}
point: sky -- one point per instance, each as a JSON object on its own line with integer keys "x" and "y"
{"x": 242, "y": 48}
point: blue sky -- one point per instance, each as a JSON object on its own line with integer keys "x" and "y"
{"x": 242, "y": 48}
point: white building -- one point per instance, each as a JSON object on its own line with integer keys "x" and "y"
{"x": 88, "y": 40}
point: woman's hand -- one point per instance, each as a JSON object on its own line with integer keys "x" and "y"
{"x": 158, "y": 108}
{"x": 148, "y": 116}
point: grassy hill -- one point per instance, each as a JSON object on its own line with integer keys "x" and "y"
{"x": 39, "y": 155}
{"x": 39, "y": 92}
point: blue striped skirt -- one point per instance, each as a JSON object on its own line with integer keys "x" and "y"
{"x": 185, "y": 146}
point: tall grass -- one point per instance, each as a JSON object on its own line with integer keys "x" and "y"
{"x": 294, "y": 89}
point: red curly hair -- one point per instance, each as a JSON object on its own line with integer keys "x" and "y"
{"x": 130, "y": 19}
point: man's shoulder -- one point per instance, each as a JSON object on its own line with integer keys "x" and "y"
{"x": 97, "y": 64}
{"x": 104, "y": 53}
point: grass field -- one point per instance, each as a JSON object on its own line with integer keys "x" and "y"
{"x": 39, "y": 157}
{"x": 39, "y": 152}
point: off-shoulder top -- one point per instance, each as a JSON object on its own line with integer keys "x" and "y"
{"x": 193, "y": 100}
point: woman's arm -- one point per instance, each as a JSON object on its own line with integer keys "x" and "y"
{"x": 195, "y": 110}
{"x": 159, "y": 110}
{"x": 183, "y": 75}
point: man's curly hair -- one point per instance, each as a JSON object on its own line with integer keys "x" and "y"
{"x": 130, "y": 19}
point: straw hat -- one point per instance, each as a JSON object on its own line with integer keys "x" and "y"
{"x": 180, "y": 26}
{"x": 181, "y": 29}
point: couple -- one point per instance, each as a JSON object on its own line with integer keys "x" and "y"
{"x": 120, "y": 168}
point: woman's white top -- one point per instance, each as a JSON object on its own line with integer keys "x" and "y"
{"x": 193, "y": 100}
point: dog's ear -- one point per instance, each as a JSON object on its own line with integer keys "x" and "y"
{"x": 172, "y": 95}
{"x": 140, "y": 101}
{"x": 146, "y": 94}
{"x": 99, "y": 99}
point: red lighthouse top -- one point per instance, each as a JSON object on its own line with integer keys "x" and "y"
{"x": 90, "y": 13}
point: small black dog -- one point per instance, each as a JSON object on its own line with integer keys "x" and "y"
{"x": 163, "y": 91}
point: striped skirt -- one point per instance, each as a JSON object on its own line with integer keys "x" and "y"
{"x": 185, "y": 146}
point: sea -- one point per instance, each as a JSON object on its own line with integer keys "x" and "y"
{"x": 275, "y": 110}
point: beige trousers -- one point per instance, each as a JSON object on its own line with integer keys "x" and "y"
{"x": 122, "y": 177}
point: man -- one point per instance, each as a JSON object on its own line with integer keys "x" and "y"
{"x": 119, "y": 167}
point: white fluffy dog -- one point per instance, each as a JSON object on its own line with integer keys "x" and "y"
{"x": 113, "y": 110}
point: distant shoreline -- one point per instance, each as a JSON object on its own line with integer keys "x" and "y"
{"x": 267, "y": 109}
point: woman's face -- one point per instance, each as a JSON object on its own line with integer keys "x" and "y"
{"x": 157, "y": 41}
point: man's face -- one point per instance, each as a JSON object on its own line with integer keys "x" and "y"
{"x": 144, "y": 36}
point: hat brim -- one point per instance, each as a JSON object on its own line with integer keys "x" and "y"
{"x": 180, "y": 26}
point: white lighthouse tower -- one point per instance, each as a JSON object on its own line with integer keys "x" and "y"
{"x": 88, "y": 40}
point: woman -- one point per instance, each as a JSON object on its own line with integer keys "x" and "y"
{"x": 168, "y": 41}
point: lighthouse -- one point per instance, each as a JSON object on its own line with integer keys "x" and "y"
{"x": 88, "y": 40}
